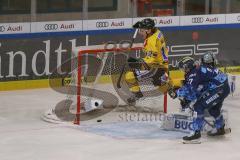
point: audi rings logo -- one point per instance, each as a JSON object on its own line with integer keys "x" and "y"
{"x": 2, "y": 28}
{"x": 102, "y": 24}
{"x": 197, "y": 20}
{"x": 49, "y": 27}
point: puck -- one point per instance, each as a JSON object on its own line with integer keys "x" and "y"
{"x": 99, "y": 120}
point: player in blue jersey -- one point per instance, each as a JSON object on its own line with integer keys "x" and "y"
{"x": 205, "y": 87}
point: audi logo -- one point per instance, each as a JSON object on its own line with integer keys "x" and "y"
{"x": 197, "y": 20}
{"x": 102, "y": 24}
{"x": 2, "y": 28}
{"x": 51, "y": 27}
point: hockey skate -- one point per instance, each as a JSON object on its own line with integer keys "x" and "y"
{"x": 193, "y": 138}
{"x": 136, "y": 96}
{"x": 218, "y": 132}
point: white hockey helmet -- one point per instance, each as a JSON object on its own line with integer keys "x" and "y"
{"x": 209, "y": 59}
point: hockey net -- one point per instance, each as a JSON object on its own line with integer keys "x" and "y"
{"x": 92, "y": 90}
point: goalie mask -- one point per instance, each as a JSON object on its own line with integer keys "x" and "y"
{"x": 209, "y": 59}
{"x": 186, "y": 64}
{"x": 146, "y": 23}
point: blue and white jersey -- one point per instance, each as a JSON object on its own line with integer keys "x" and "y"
{"x": 219, "y": 78}
{"x": 199, "y": 80}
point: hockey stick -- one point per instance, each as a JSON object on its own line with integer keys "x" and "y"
{"x": 123, "y": 68}
{"x": 206, "y": 121}
{"x": 120, "y": 77}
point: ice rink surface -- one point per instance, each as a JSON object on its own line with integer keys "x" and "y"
{"x": 24, "y": 136}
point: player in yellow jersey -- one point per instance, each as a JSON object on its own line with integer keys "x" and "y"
{"x": 154, "y": 65}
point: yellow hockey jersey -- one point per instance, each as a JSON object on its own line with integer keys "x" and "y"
{"x": 156, "y": 51}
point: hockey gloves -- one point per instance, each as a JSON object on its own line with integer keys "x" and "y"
{"x": 172, "y": 93}
{"x": 184, "y": 103}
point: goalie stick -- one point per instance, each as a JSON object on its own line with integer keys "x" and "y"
{"x": 123, "y": 68}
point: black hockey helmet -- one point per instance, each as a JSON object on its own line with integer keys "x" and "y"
{"x": 187, "y": 63}
{"x": 208, "y": 59}
{"x": 146, "y": 23}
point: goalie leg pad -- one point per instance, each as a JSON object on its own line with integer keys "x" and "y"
{"x": 132, "y": 82}
{"x": 130, "y": 77}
